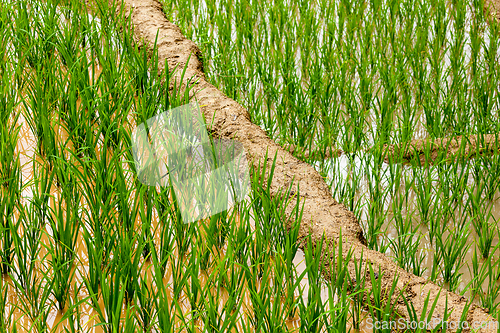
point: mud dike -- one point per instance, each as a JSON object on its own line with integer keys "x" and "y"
{"x": 322, "y": 214}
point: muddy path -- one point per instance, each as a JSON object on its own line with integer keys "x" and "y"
{"x": 322, "y": 214}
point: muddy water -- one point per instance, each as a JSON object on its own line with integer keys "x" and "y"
{"x": 342, "y": 168}
{"x": 89, "y": 317}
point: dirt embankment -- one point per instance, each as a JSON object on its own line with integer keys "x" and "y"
{"x": 444, "y": 148}
{"x": 322, "y": 214}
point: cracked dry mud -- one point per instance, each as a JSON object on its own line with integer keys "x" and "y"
{"x": 322, "y": 214}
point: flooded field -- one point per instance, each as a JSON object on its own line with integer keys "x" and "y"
{"x": 354, "y": 77}
{"x": 84, "y": 245}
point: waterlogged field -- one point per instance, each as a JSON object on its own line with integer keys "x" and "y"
{"x": 354, "y": 76}
{"x": 86, "y": 247}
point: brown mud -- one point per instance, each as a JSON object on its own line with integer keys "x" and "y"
{"x": 322, "y": 214}
{"x": 435, "y": 150}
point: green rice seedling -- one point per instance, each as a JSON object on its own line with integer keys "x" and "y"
{"x": 144, "y": 70}
{"x": 286, "y": 281}
{"x": 396, "y": 176}
{"x": 76, "y": 119}
{"x": 427, "y": 316}
{"x": 241, "y": 236}
{"x": 178, "y": 93}
{"x": 218, "y": 228}
{"x": 182, "y": 231}
{"x": 73, "y": 314}
{"x": 145, "y": 208}
{"x": 356, "y": 285}
{"x": 5, "y": 316}
{"x": 36, "y": 304}
{"x": 478, "y": 275}
{"x": 163, "y": 207}
{"x": 263, "y": 208}
{"x": 458, "y": 181}
{"x": 486, "y": 233}
{"x": 97, "y": 264}
{"x": 382, "y": 302}
{"x": 127, "y": 255}
{"x": 215, "y": 319}
{"x": 258, "y": 292}
{"x": 32, "y": 282}
{"x": 33, "y": 218}
{"x": 10, "y": 189}
{"x": 129, "y": 323}
{"x": 339, "y": 266}
{"x": 145, "y": 310}
{"x": 64, "y": 225}
{"x": 180, "y": 276}
{"x": 164, "y": 310}
{"x": 480, "y": 213}
{"x": 488, "y": 297}
{"x": 113, "y": 290}
{"x": 194, "y": 287}
{"x": 64, "y": 178}
{"x": 377, "y": 197}
{"x": 98, "y": 233}
{"x": 338, "y": 312}
{"x": 114, "y": 104}
{"x": 24, "y": 37}
{"x": 312, "y": 310}
{"x": 231, "y": 279}
{"x": 439, "y": 217}
{"x": 276, "y": 310}
{"x": 223, "y": 266}
{"x": 39, "y": 104}
{"x": 452, "y": 250}
{"x": 279, "y": 231}
{"x": 446, "y": 191}
{"x": 286, "y": 252}
{"x": 347, "y": 189}
{"x": 46, "y": 28}
{"x": 126, "y": 216}
{"x": 8, "y": 97}
{"x": 424, "y": 190}
{"x": 406, "y": 246}
{"x": 99, "y": 194}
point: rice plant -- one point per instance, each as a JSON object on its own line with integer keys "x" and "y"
{"x": 361, "y": 75}
{"x": 82, "y": 232}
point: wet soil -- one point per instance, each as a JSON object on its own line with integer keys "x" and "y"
{"x": 444, "y": 148}
{"x": 322, "y": 214}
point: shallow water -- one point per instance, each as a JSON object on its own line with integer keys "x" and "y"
{"x": 89, "y": 316}
{"x": 341, "y": 172}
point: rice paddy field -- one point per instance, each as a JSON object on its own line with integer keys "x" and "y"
{"x": 323, "y": 77}
{"x": 86, "y": 247}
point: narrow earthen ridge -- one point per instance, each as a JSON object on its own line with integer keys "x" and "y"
{"x": 445, "y": 148}
{"x": 322, "y": 214}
